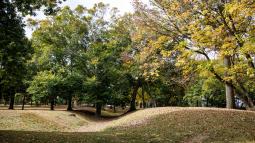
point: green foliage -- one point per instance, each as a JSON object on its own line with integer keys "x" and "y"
{"x": 82, "y": 48}
{"x": 14, "y": 52}
{"x": 45, "y": 84}
{"x": 206, "y": 92}
{"x": 99, "y": 57}
{"x": 29, "y": 6}
{"x": 59, "y": 49}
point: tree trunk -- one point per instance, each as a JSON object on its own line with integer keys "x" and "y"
{"x": 23, "y": 101}
{"x": 1, "y": 96}
{"x": 144, "y": 105}
{"x": 248, "y": 100}
{"x": 133, "y": 99}
{"x": 52, "y": 103}
{"x": 114, "y": 108}
{"x": 207, "y": 102}
{"x": 98, "y": 110}
{"x": 241, "y": 93}
{"x": 69, "y": 108}
{"x": 250, "y": 105}
{"x": 12, "y": 96}
{"x": 65, "y": 102}
{"x": 230, "y": 96}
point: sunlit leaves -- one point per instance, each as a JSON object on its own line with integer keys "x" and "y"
{"x": 44, "y": 84}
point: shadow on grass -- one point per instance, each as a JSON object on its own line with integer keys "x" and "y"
{"x": 54, "y": 137}
{"x": 90, "y": 114}
{"x": 34, "y": 107}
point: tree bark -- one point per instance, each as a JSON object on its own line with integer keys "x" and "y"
{"x": 23, "y": 101}
{"x": 230, "y": 96}
{"x": 52, "y": 103}
{"x": 1, "y": 95}
{"x": 69, "y": 108}
{"x": 12, "y": 96}
{"x": 98, "y": 110}
{"x": 242, "y": 94}
{"x": 114, "y": 108}
{"x": 144, "y": 105}
{"x": 133, "y": 98}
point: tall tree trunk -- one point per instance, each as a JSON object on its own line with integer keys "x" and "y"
{"x": 69, "y": 108}
{"x": 207, "y": 102}
{"x": 98, "y": 110}
{"x": 1, "y": 95}
{"x": 230, "y": 98}
{"x": 52, "y": 103}
{"x": 230, "y": 95}
{"x": 133, "y": 98}
{"x": 114, "y": 108}
{"x": 144, "y": 105}
{"x": 23, "y": 101}
{"x": 12, "y": 96}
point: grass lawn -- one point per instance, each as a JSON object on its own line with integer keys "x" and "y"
{"x": 149, "y": 125}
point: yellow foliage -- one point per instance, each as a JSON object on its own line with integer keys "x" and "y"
{"x": 94, "y": 61}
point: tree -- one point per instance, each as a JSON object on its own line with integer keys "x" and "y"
{"x": 209, "y": 31}
{"x": 15, "y": 51}
{"x": 29, "y": 6}
{"x": 204, "y": 91}
{"x": 72, "y": 86}
{"x": 59, "y": 47}
{"x": 140, "y": 61}
{"x": 105, "y": 75}
{"x": 46, "y": 84}
{"x": 104, "y": 65}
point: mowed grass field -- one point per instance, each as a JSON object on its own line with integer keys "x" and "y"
{"x": 168, "y": 124}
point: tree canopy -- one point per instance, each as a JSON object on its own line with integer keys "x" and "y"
{"x": 167, "y": 53}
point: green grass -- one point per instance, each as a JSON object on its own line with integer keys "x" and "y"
{"x": 156, "y": 125}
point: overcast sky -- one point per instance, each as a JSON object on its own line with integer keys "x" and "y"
{"x": 122, "y": 5}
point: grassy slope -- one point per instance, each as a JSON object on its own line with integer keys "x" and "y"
{"x": 36, "y": 120}
{"x": 172, "y": 125}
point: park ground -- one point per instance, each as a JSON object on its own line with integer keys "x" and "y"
{"x": 166, "y": 124}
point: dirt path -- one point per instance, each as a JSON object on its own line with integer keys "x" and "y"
{"x": 95, "y": 126}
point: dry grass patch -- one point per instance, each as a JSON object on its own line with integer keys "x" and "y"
{"x": 156, "y": 125}
{"x": 34, "y": 120}
{"x": 193, "y": 125}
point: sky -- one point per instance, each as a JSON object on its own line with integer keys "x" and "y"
{"x": 122, "y": 5}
